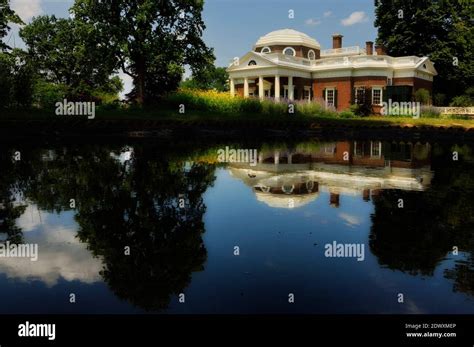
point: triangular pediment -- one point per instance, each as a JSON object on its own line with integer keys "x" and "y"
{"x": 251, "y": 60}
{"x": 426, "y": 65}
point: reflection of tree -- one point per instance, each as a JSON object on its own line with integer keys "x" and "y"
{"x": 132, "y": 204}
{"x": 10, "y": 207}
{"x": 165, "y": 241}
{"x": 414, "y": 239}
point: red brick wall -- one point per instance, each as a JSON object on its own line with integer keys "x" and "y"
{"x": 343, "y": 86}
{"x": 417, "y": 83}
{"x": 420, "y": 83}
{"x": 369, "y": 81}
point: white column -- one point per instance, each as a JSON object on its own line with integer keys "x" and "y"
{"x": 232, "y": 87}
{"x": 260, "y": 88}
{"x": 277, "y": 87}
{"x": 276, "y": 157}
{"x": 246, "y": 87}
{"x": 291, "y": 94}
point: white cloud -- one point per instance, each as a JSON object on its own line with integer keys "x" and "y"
{"x": 127, "y": 84}
{"x": 312, "y": 21}
{"x": 327, "y": 13}
{"x": 27, "y": 9}
{"x": 354, "y": 18}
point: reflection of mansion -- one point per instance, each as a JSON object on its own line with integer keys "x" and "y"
{"x": 293, "y": 178}
{"x": 290, "y": 64}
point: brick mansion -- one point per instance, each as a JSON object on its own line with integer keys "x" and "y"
{"x": 287, "y": 64}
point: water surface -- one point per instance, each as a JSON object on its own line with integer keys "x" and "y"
{"x": 151, "y": 221}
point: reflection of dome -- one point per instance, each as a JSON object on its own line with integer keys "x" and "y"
{"x": 285, "y": 201}
{"x": 287, "y": 37}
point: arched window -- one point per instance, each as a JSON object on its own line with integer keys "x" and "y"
{"x": 311, "y": 55}
{"x": 252, "y": 63}
{"x": 289, "y": 51}
{"x": 266, "y": 50}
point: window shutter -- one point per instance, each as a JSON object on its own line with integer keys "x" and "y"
{"x": 324, "y": 93}
{"x": 353, "y": 96}
{"x": 335, "y": 98}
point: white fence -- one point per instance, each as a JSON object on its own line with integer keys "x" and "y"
{"x": 456, "y": 110}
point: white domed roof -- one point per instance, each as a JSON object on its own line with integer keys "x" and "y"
{"x": 287, "y": 37}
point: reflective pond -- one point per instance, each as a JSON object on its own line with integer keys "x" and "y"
{"x": 343, "y": 226}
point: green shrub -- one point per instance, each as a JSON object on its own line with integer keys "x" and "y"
{"x": 47, "y": 94}
{"x": 347, "y": 114}
{"x": 422, "y": 96}
{"x": 429, "y": 112}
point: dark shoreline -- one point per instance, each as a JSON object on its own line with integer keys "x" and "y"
{"x": 11, "y": 130}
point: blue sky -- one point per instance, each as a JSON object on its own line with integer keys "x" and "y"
{"x": 233, "y": 26}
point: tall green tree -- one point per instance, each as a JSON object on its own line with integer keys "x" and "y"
{"x": 151, "y": 40}
{"x": 65, "y": 52}
{"x": 7, "y": 15}
{"x": 440, "y": 29}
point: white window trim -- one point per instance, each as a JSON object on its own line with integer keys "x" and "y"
{"x": 266, "y": 48}
{"x": 371, "y": 149}
{"x": 381, "y": 95}
{"x": 294, "y": 52}
{"x": 312, "y": 51}
{"x": 326, "y": 96}
{"x": 307, "y": 89}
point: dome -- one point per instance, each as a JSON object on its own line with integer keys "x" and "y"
{"x": 287, "y": 37}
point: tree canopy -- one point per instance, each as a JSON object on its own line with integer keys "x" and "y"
{"x": 7, "y": 15}
{"x": 440, "y": 29}
{"x": 65, "y": 52}
{"x": 150, "y": 40}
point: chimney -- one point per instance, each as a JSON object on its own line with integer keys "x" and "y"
{"x": 369, "y": 47}
{"x": 337, "y": 41}
{"x": 380, "y": 50}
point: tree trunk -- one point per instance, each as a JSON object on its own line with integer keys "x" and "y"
{"x": 140, "y": 97}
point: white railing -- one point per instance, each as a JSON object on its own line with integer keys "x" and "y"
{"x": 280, "y": 57}
{"x": 343, "y": 50}
{"x": 456, "y": 110}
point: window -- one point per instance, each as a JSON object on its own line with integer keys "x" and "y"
{"x": 307, "y": 93}
{"x": 330, "y": 97}
{"x": 289, "y": 51}
{"x": 266, "y": 50}
{"x": 252, "y": 63}
{"x": 359, "y": 95}
{"x": 311, "y": 55}
{"x": 377, "y": 96}
{"x": 376, "y": 149}
{"x": 358, "y": 149}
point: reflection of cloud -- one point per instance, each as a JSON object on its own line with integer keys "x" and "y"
{"x": 30, "y": 219}
{"x": 412, "y": 308}
{"x": 350, "y": 219}
{"x": 327, "y": 13}
{"x": 60, "y": 253}
{"x": 26, "y": 9}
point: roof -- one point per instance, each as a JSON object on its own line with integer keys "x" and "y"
{"x": 287, "y": 37}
